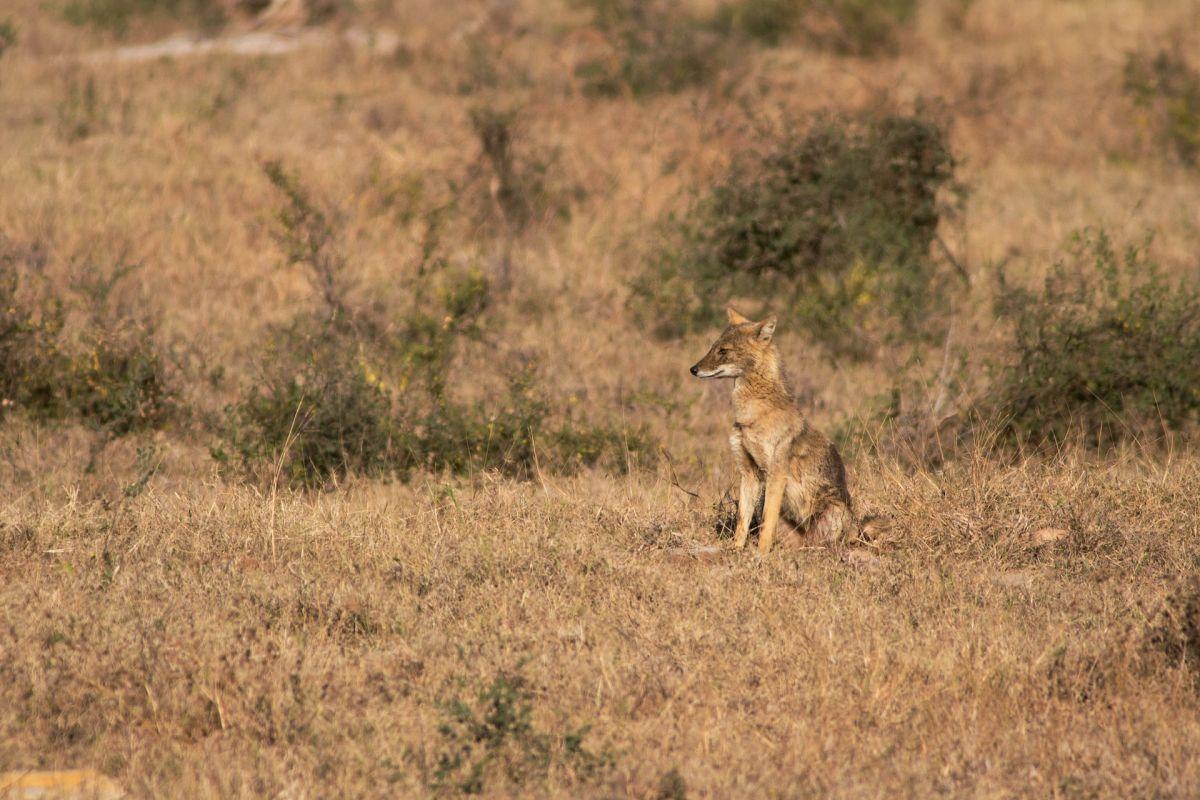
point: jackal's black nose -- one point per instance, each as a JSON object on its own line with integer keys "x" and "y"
{"x": 695, "y": 370}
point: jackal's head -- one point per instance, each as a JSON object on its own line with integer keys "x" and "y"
{"x": 741, "y": 346}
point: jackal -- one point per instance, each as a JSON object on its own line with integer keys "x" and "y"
{"x": 775, "y": 448}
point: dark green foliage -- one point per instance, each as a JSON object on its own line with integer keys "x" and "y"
{"x": 118, "y": 384}
{"x": 115, "y": 16}
{"x": 348, "y": 392}
{"x": 767, "y": 21}
{"x": 861, "y": 27}
{"x": 31, "y": 365}
{"x": 836, "y": 222}
{"x": 464, "y": 439}
{"x": 1167, "y": 90}
{"x": 8, "y": 34}
{"x": 113, "y": 381}
{"x": 494, "y": 739}
{"x": 315, "y": 421}
{"x": 848, "y": 27}
{"x": 657, "y": 48}
{"x": 613, "y": 449}
{"x": 671, "y": 786}
{"x": 1107, "y": 350}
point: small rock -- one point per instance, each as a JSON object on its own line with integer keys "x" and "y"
{"x": 1018, "y": 579}
{"x": 864, "y": 558}
{"x": 1045, "y": 536}
{"x": 67, "y": 784}
{"x": 703, "y": 554}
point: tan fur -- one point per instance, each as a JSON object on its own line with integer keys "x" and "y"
{"x": 781, "y": 458}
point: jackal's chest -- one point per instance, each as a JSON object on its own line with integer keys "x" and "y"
{"x": 756, "y": 441}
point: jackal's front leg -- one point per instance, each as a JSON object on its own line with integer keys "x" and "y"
{"x": 749, "y": 491}
{"x": 748, "y": 495}
{"x": 776, "y": 482}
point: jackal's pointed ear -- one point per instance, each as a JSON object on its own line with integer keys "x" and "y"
{"x": 766, "y": 329}
{"x": 734, "y": 317}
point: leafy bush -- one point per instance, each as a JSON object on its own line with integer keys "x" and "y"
{"x": 611, "y": 448}
{"x": 1167, "y": 91}
{"x": 654, "y": 48}
{"x": 118, "y": 384}
{"x": 30, "y": 363}
{"x": 836, "y": 222}
{"x": 1108, "y": 350}
{"x": 8, "y": 34}
{"x": 314, "y": 421}
{"x": 113, "y": 380}
{"x": 493, "y": 739}
{"x": 115, "y": 16}
{"x": 767, "y": 21}
{"x": 849, "y": 27}
{"x": 347, "y": 392}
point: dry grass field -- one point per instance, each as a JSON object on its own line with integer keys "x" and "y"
{"x": 508, "y": 578}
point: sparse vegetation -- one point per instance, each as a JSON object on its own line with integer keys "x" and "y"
{"x": 837, "y": 221}
{"x": 344, "y": 392}
{"x": 767, "y": 21}
{"x": 1107, "y": 351}
{"x": 521, "y": 185}
{"x": 860, "y": 27}
{"x": 80, "y": 112}
{"x": 493, "y": 741}
{"x": 8, "y": 34}
{"x": 1172, "y": 635}
{"x": 117, "y": 16}
{"x": 1166, "y": 90}
{"x": 652, "y": 47}
{"x": 435, "y": 555}
{"x": 112, "y": 379}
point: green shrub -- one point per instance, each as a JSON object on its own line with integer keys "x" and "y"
{"x": 493, "y": 739}
{"x": 835, "y": 223}
{"x": 576, "y": 446}
{"x": 111, "y": 380}
{"x": 118, "y": 384}
{"x": 115, "y": 16}
{"x": 848, "y": 27}
{"x": 31, "y": 364}
{"x": 656, "y": 48}
{"x": 467, "y": 438}
{"x": 1107, "y": 350}
{"x": 350, "y": 393}
{"x": 8, "y": 34}
{"x": 767, "y": 21}
{"x": 1167, "y": 91}
{"x": 314, "y": 422}
{"x": 861, "y": 27}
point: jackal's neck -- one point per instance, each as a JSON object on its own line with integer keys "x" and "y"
{"x": 764, "y": 382}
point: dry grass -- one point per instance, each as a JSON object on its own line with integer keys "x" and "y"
{"x": 194, "y": 636}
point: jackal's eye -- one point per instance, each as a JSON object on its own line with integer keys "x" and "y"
{"x": 723, "y": 352}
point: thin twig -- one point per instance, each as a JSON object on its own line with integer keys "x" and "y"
{"x": 674, "y": 478}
